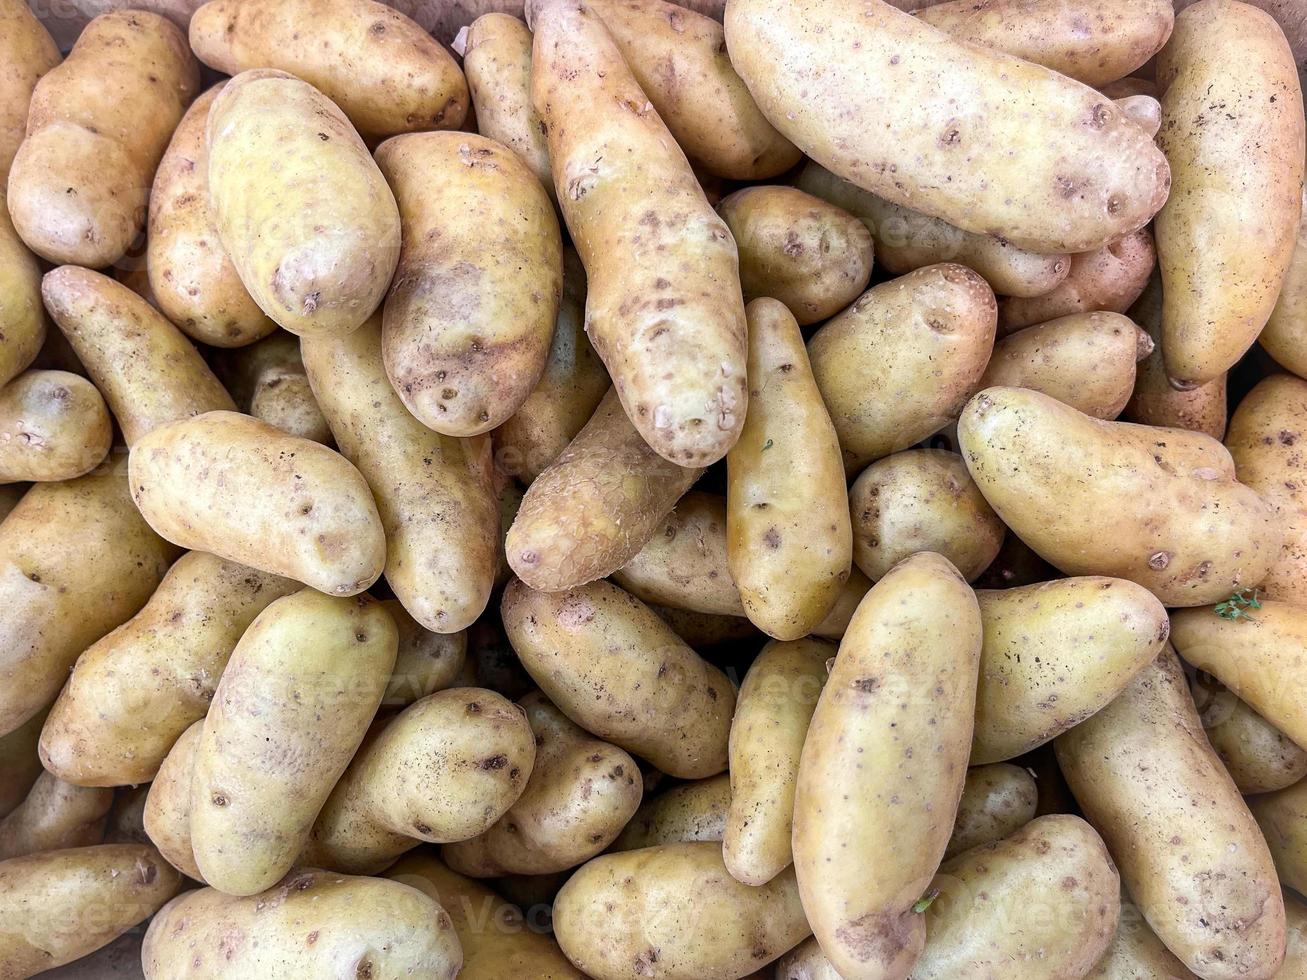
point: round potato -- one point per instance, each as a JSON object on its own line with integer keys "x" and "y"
{"x": 693, "y": 811}
{"x": 427, "y": 662}
{"x": 997, "y": 801}
{"x": 167, "y": 816}
{"x": 20, "y": 763}
{"x": 53, "y": 426}
{"x": 55, "y": 815}
{"x": 268, "y": 381}
{"x": 22, "y": 316}
{"x": 1285, "y": 336}
{"x": 1258, "y": 756}
{"x": 28, "y": 53}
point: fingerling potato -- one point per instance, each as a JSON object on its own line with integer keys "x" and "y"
{"x": 167, "y": 814}
{"x": 55, "y": 815}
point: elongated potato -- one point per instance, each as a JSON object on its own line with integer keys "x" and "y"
{"x": 134, "y": 692}
{"x": 308, "y": 221}
{"x": 1295, "y": 959}
{"x": 662, "y": 701}
{"x": 28, "y": 53}
{"x": 20, "y": 762}
{"x": 53, "y": 426}
{"x": 693, "y": 811}
{"x": 229, "y": 484}
{"x": 673, "y": 911}
{"x": 1258, "y": 756}
{"x": 907, "y": 240}
{"x": 1136, "y": 953}
{"x": 147, "y": 371}
{"x": 1227, "y": 233}
{"x": 290, "y": 710}
{"x": 120, "y": 960}
{"x": 898, "y": 365}
{"x": 400, "y": 933}
{"x": 964, "y": 153}
{"x": 22, "y": 316}
{"x": 1282, "y": 818}
{"x": 98, "y": 123}
{"x": 268, "y": 381}
{"x": 191, "y": 276}
{"x": 1103, "y": 498}
{"x": 167, "y": 814}
{"x": 997, "y": 801}
{"x": 55, "y": 815}
{"x": 789, "y": 541}
{"x": 1285, "y": 335}
{"x": 60, "y": 905}
{"x": 883, "y": 766}
{"x": 664, "y": 307}
{"x": 427, "y": 662}
{"x": 1188, "y": 849}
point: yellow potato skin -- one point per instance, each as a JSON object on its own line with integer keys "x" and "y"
{"x": 664, "y": 308}
{"x": 386, "y": 73}
{"x": 883, "y": 766}
{"x": 661, "y": 700}
{"x": 55, "y": 815}
{"x": 269, "y": 382}
{"x": 1103, "y": 498}
{"x": 20, "y": 762}
{"x": 1188, "y": 849}
{"x": 28, "y": 53}
{"x": 672, "y": 911}
{"x": 1282, "y": 817}
{"x": 693, "y": 811}
{"x": 1258, "y": 756}
{"x": 53, "y": 426}
{"x": 1136, "y": 953}
{"x": 1055, "y": 653}
{"x": 997, "y": 800}
{"x": 309, "y": 223}
{"x": 775, "y": 705}
{"x": 1226, "y": 235}
{"x": 789, "y": 541}
{"x": 1285, "y": 335}
{"x": 232, "y": 485}
{"x": 22, "y": 316}
{"x": 289, "y": 712}
{"x": 964, "y": 154}
{"x": 167, "y": 816}
{"x": 133, "y": 692}
{"x": 1295, "y": 960}
{"x": 427, "y": 662}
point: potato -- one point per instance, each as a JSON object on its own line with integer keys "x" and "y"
{"x": 148, "y": 372}
{"x": 1112, "y": 498}
{"x": 1015, "y": 565}
{"x": 693, "y": 811}
{"x": 308, "y": 221}
{"x": 1130, "y": 86}
{"x": 1258, "y": 756}
{"x": 1187, "y": 846}
{"x": 208, "y": 934}
{"x": 1226, "y": 235}
{"x": 673, "y": 911}
{"x": 1092, "y": 43}
{"x": 898, "y": 365}
{"x": 965, "y": 154}
{"x": 76, "y": 561}
{"x": 1282, "y": 817}
{"x": 134, "y": 692}
{"x": 789, "y": 542}
{"x": 997, "y": 801}
{"x": 1110, "y": 278}
{"x": 445, "y": 769}
{"x": 168, "y": 804}
{"x": 55, "y": 815}
{"x": 581, "y": 793}
{"x": 20, "y": 763}
{"x": 53, "y": 426}
{"x": 921, "y": 500}
{"x": 289, "y": 712}
{"x": 595, "y": 506}
{"x": 907, "y": 240}
{"x": 22, "y": 317}
{"x": 427, "y": 662}
{"x": 29, "y": 52}
{"x": 120, "y": 960}
{"x": 703, "y": 630}
{"x": 434, "y": 492}
{"x": 907, "y": 667}
{"x": 1295, "y": 960}
{"x": 661, "y": 701}
{"x": 385, "y": 72}
{"x": 126, "y": 822}
{"x": 1136, "y": 953}
{"x": 1284, "y": 338}
{"x": 60, "y": 905}
{"x": 191, "y": 276}
{"x": 1144, "y": 111}
{"x": 267, "y": 379}
{"x": 664, "y": 308}
{"x": 812, "y": 256}
{"x": 229, "y": 484}
{"x": 837, "y": 620}
{"x": 806, "y": 961}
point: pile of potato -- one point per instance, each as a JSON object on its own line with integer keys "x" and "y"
{"x": 607, "y": 488}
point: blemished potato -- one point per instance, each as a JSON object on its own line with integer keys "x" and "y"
{"x": 672, "y": 911}
{"x": 1110, "y": 278}
{"x": 1258, "y": 756}
{"x": 27, "y": 52}
{"x": 1087, "y": 360}
{"x": 664, "y": 308}
{"x": 400, "y": 933}
{"x": 964, "y": 153}
{"x": 22, "y": 316}
{"x": 146, "y": 370}
{"x": 661, "y": 701}
{"x": 76, "y": 561}
{"x": 1285, "y": 335}
{"x": 1227, "y": 233}
{"x": 693, "y": 811}
{"x": 581, "y": 793}
{"x": 907, "y": 240}
{"x": 133, "y": 692}
{"x": 1282, "y": 818}
{"x": 445, "y": 769}
{"x": 595, "y": 506}
{"x": 308, "y": 222}
{"x": 98, "y": 123}
{"x": 1187, "y": 847}
{"x": 812, "y": 256}
{"x": 245, "y": 491}
{"x": 386, "y": 73}
{"x": 427, "y": 662}
{"x": 191, "y": 277}
{"x": 921, "y": 500}
{"x": 775, "y": 705}
{"x": 1092, "y": 43}
{"x": 883, "y": 766}
{"x": 167, "y": 816}
{"x": 20, "y": 763}
{"x": 53, "y": 426}
{"x": 997, "y": 801}
{"x": 1159, "y": 507}
{"x": 898, "y": 365}
{"x": 789, "y": 541}
{"x": 268, "y": 381}
{"x": 434, "y": 492}
{"x": 290, "y": 710}
{"x": 58, "y": 906}
{"x": 55, "y": 815}
{"x": 1136, "y": 953}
